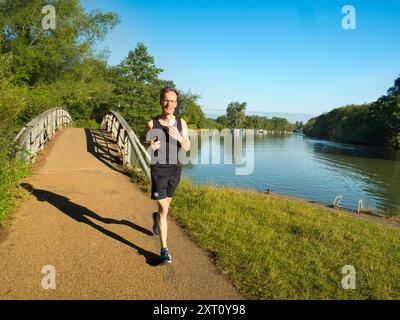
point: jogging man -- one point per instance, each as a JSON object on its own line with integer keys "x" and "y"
{"x": 167, "y": 134}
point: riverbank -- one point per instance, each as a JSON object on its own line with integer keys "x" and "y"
{"x": 273, "y": 247}
{"x": 393, "y": 221}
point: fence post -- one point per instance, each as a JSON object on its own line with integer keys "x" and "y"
{"x": 360, "y": 206}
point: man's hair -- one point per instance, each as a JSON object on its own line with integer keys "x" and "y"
{"x": 165, "y": 90}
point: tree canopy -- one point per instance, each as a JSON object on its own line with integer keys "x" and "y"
{"x": 235, "y": 114}
{"x": 377, "y": 123}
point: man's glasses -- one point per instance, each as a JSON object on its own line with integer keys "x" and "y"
{"x": 171, "y": 101}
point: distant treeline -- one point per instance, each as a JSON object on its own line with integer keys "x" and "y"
{"x": 377, "y": 123}
{"x": 235, "y": 117}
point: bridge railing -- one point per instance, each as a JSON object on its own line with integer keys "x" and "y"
{"x": 134, "y": 155}
{"x": 32, "y": 138}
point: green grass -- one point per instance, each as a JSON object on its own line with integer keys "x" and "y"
{"x": 277, "y": 248}
{"x": 11, "y": 172}
{"x": 138, "y": 177}
{"x": 86, "y": 123}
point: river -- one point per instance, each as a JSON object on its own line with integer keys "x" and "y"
{"x": 313, "y": 169}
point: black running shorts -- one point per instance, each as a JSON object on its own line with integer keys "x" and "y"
{"x": 164, "y": 181}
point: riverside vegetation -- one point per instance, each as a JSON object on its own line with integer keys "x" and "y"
{"x": 376, "y": 123}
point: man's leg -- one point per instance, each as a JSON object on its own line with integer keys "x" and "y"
{"x": 163, "y": 206}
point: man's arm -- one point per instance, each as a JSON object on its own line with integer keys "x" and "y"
{"x": 143, "y": 140}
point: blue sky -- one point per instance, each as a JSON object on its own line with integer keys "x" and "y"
{"x": 278, "y": 56}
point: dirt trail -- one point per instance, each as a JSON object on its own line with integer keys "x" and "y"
{"x": 87, "y": 219}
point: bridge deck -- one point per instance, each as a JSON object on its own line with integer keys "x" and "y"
{"x": 87, "y": 219}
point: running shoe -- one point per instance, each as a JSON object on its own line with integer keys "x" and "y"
{"x": 165, "y": 256}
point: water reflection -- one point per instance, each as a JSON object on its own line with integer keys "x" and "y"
{"x": 375, "y": 171}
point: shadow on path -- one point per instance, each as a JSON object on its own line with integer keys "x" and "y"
{"x": 98, "y": 144}
{"x": 80, "y": 214}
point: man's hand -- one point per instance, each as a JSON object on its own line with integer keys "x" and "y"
{"x": 155, "y": 144}
{"x": 182, "y": 139}
{"x": 174, "y": 133}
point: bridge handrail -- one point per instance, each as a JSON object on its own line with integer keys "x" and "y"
{"x": 34, "y": 135}
{"x": 133, "y": 152}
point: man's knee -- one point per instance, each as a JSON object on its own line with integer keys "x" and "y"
{"x": 163, "y": 205}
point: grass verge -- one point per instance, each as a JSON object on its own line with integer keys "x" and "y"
{"x": 274, "y": 248}
{"x": 11, "y": 172}
{"x": 138, "y": 177}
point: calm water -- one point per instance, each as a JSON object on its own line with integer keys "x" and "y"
{"x": 313, "y": 169}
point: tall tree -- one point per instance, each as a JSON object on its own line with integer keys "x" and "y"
{"x": 46, "y": 55}
{"x": 139, "y": 66}
{"x": 137, "y": 86}
{"x": 395, "y": 89}
{"x": 235, "y": 114}
{"x": 191, "y": 110}
{"x": 59, "y": 67}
